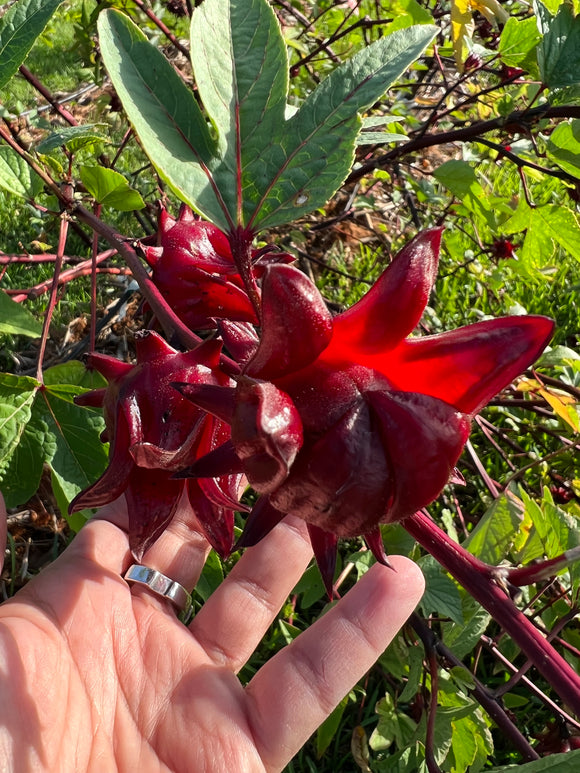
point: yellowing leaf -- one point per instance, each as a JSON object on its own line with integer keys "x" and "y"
{"x": 360, "y": 749}
{"x": 491, "y": 9}
{"x": 563, "y": 406}
{"x": 462, "y": 25}
{"x": 462, "y": 28}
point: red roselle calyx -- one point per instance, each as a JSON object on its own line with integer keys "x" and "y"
{"x": 194, "y": 269}
{"x": 154, "y": 432}
{"x": 348, "y": 422}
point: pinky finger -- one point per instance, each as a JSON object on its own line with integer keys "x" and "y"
{"x": 294, "y": 692}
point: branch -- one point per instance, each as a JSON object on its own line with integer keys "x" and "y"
{"x": 509, "y": 123}
{"x": 471, "y": 574}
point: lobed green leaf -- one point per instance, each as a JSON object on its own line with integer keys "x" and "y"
{"x": 309, "y": 160}
{"x": 559, "y": 49}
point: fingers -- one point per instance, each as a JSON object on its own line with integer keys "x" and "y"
{"x": 180, "y": 552}
{"x": 295, "y": 691}
{"x": 233, "y": 621}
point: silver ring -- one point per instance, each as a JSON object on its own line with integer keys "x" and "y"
{"x": 164, "y": 587}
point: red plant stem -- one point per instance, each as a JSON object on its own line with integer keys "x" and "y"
{"x": 94, "y": 256}
{"x": 479, "y": 691}
{"x": 241, "y": 245}
{"x": 33, "y": 80}
{"x": 164, "y": 29}
{"x": 465, "y": 134}
{"x": 432, "y": 765}
{"x": 49, "y": 257}
{"x": 164, "y": 313}
{"x": 528, "y": 575}
{"x": 53, "y": 291}
{"x": 467, "y": 570}
{"x": 18, "y": 296}
{"x": 518, "y": 675}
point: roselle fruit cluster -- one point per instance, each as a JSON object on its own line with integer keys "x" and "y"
{"x": 347, "y": 421}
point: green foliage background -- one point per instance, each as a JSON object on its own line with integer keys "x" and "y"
{"x": 427, "y": 155}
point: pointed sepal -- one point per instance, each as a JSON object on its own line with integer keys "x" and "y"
{"x": 324, "y": 545}
{"x": 266, "y": 433}
{"x": 466, "y": 367}
{"x": 393, "y": 306}
{"x": 374, "y": 541}
{"x": 263, "y": 518}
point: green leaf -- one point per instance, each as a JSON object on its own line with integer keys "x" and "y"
{"x": 17, "y": 320}
{"x": 461, "y": 180}
{"x": 559, "y": 50}
{"x": 16, "y": 398}
{"x": 19, "y": 28}
{"x": 496, "y": 530}
{"x": 72, "y": 378}
{"x": 211, "y": 577}
{"x": 558, "y": 356}
{"x": 79, "y": 457}
{"x": 463, "y": 638}
{"x": 264, "y": 169}
{"x": 378, "y": 138}
{"x": 289, "y": 632}
{"x": 309, "y": 160}
{"x": 415, "y": 674}
{"x": 241, "y": 69}
{"x": 310, "y": 587}
{"x": 564, "y": 147}
{"x": 165, "y": 115}
{"x": 20, "y": 476}
{"x": 329, "y": 727}
{"x": 16, "y": 176}
{"x": 110, "y": 188}
{"x": 441, "y": 595}
{"x": 555, "y": 763}
{"x": 561, "y": 225}
{"x": 518, "y": 42}
{"x": 405, "y": 13}
{"x": 73, "y": 137}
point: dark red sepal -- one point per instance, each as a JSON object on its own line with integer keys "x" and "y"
{"x": 259, "y": 523}
{"x": 324, "y": 545}
{"x": 374, "y": 540}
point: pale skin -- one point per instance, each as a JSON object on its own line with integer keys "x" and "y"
{"x": 98, "y": 676}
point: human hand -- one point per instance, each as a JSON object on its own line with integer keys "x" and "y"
{"x": 98, "y": 676}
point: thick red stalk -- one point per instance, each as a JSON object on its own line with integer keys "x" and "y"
{"x": 167, "y": 318}
{"x": 468, "y": 571}
{"x": 241, "y": 246}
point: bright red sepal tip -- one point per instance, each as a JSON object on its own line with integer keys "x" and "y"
{"x": 384, "y": 417}
{"x": 154, "y": 432}
{"x": 194, "y": 269}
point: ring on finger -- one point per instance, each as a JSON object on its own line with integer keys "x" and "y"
{"x": 164, "y": 587}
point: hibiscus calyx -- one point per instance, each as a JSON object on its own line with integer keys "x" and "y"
{"x": 384, "y": 414}
{"x": 154, "y": 432}
{"x": 194, "y": 269}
